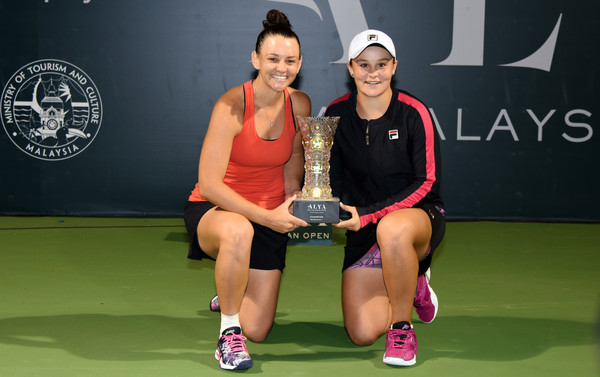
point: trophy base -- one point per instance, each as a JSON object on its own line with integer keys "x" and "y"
{"x": 318, "y": 210}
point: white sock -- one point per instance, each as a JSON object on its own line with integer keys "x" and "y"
{"x": 228, "y": 321}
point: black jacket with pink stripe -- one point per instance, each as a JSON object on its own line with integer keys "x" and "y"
{"x": 388, "y": 163}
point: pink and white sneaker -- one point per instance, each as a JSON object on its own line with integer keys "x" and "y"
{"x": 400, "y": 345}
{"x": 214, "y": 304}
{"x": 231, "y": 352}
{"x": 426, "y": 301}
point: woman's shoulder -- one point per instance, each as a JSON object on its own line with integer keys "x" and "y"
{"x": 300, "y": 100}
{"x": 233, "y": 96}
{"x": 407, "y": 97}
{"x": 232, "y": 100}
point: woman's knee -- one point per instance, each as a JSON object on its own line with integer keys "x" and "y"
{"x": 236, "y": 238}
{"x": 362, "y": 336}
{"x": 220, "y": 231}
{"x": 395, "y": 233}
{"x": 407, "y": 227}
{"x": 257, "y": 332}
{"x": 238, "y": 232}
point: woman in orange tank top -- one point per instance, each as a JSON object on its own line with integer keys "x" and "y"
{"x": 250, "y": 171}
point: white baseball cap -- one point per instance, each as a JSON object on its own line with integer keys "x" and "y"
{"x": 367, "y": 38}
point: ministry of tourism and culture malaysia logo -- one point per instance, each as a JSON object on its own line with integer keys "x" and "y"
{"x": 51, "y": 110}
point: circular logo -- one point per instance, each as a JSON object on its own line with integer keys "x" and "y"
{"x": 51, "y": 110}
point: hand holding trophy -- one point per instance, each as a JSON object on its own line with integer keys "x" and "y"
{"x": 317, "y": 204}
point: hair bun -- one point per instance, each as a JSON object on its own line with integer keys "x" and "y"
{"x": 276, "y": 23}
{"x": 276, "y": 19}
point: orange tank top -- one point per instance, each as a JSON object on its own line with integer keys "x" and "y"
{"x": 255, "y": 169}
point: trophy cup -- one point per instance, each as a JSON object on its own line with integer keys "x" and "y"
{"x": 317, "y": 204}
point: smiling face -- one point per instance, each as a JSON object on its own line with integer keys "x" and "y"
{"x": 279, "y": 61}
{"x": 373, "y": 70}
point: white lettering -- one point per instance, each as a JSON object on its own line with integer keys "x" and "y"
{"x": 570, "y": 123}
{"x": 467, "y": 34}
{"x": 437, "y": 124}
{"x": 349, "y": 20}
{"x": 58, "y": 152}
{"x": 10, "y": 91}
{"x": 7, "y": 103}
{"x": 497, "y": 126}
{"x": 8, "y": 118}
{"x": 468, "y": 39}
{"x": 542, "y": 58}
{"x": 20, "y": 77}
{"x": 95, "y": 107}
{"x": 47, "y": 66}
{"x": 540, "y": 124}
{"x": 79, "y": 77}
{"x": 459, "y": 135}
{"x": 348, "y": 17}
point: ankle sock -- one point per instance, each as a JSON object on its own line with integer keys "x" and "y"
{"x": 402, "y": 325}
{"x": 228, "y": 321}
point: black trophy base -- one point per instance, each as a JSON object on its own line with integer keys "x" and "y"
{"x": 318, "y": 210}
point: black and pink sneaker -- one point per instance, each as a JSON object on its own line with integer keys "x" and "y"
{"x": 231, "y": 350}
{"x": 426, "y": 301}
{"x": 400, "y": 345}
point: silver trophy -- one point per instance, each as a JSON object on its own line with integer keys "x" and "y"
{"x": 317, "y": 204}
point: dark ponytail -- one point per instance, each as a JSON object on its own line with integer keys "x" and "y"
{"x": 276, "y": 23}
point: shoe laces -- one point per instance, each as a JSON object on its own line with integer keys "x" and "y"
{"x": 398, "y": 338}
{"x": 235, "y": 343}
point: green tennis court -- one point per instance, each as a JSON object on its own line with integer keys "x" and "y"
{"x": 117, "y": 297}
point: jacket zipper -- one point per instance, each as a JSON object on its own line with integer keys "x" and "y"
{"x": 367, "y": 133}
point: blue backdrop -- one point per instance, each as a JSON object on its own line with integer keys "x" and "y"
{"x": 105, "y": 103}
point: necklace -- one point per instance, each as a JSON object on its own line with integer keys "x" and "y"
{"x": 271, "y": 122}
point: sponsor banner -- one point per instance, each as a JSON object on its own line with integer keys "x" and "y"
{"x": 312, "y": 235}
{"x": 105, "y": 103}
